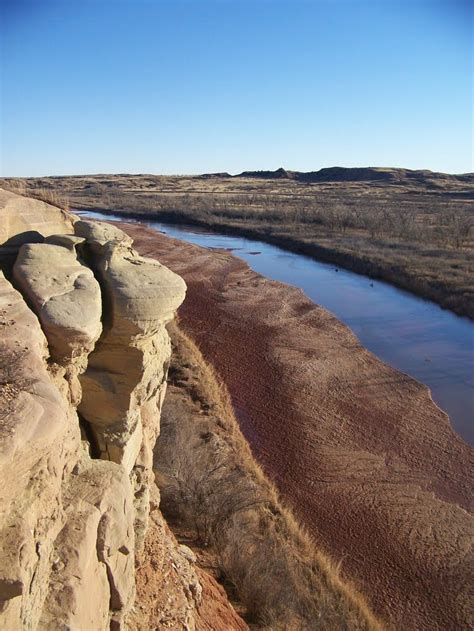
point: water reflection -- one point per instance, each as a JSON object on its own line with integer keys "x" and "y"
{"x": 411, "y": 334}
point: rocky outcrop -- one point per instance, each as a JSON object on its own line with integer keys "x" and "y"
{"x": 92, "y": 581}
{"x": 125, "y": 382}
{"x": 84, "y": 355}
{"x": 40, "y": 445}
{"x": 64, "y": 294}
{"x": 26, "y": 220}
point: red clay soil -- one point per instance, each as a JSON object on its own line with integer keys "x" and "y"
{"x": 215, "y": 612}
{"x": 366, "y": 460}
{"x": 164, "y": 585}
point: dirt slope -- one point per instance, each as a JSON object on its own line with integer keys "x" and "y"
{"x": 367, "y": 461}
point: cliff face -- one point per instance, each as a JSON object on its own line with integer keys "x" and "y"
{"x": 84, "y": 355}
{"x": 84, "y": 358}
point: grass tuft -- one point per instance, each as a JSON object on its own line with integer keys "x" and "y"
{"x": 211, "y": 484}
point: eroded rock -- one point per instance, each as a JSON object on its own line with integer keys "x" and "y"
{"x": 98, "y": 234}
{"x": 26, "y": 220}
{"x": 65, "y": 296}
{"x": 39, "y": 446}
{"x": 69, "y": 241}
{"x": 93, "y": 560}
{"x": 142, "y": 294}
{"x": 79, "y": 593}
{"x": 71, "y": 524}
{"x": 125, "y": 382}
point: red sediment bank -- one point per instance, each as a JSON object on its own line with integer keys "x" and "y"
{"x": 359, "y": 451}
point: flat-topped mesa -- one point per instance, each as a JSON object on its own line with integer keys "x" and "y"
{"x": 65, "y": 296}
{"x": 125, "y": 382}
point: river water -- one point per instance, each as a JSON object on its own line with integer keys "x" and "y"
{"x": 413, "y": 335}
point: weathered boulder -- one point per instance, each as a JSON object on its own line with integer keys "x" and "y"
{"x": 65, "y": 296}
{"x": 24, "y": 218}
{"x": 69, "y": 241}
{"x": 142, "y": 293}
{"x": 98, "y": 234}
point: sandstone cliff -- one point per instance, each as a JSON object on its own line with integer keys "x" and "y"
{"x": 84, "y": 355}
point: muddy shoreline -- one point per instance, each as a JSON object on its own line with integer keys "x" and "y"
{"x": 368, "y": 463}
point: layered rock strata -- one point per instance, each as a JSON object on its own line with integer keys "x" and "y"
{"x": 83, "y": 362}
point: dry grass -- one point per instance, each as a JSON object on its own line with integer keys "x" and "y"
{"x": 416, "y": 233}
{"x": 48, "y": 195}
{"x": 210, "y": 483}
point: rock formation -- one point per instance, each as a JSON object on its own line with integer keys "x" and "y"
{"x": 124, "y": 385}
{"x": 84, "y": 355}
{"x": 25, "y": 220}
{"x": 66, "y": 297}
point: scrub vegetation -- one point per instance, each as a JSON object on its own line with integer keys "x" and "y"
{"x": 413, "y": 229}
{"x": 212, "y": 487}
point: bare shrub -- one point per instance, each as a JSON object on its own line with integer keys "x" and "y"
{"x": 458, "y": 229}
{"x": 210, "y": 482}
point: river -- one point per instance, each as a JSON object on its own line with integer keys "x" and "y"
{"x": 414, "y": 335}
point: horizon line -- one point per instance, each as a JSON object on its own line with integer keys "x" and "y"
{"x": 224, "y": 173}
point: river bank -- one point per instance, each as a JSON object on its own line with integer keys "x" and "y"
{"x": 366, "y": 460}
{"x": 412, "y": 229}
{"x": 432, "y": 345}
{"x": 370, "y": 261}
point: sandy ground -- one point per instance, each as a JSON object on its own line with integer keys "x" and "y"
{"x": 359, "y": 450}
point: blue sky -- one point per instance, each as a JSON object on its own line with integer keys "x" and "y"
{"x": 122, "y": 86}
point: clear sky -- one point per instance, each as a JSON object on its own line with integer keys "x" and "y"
{"x": 136, "y": 86}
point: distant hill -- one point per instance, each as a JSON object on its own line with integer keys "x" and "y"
{"x": 209, "y": 176}
{"x": 279, "y": 174}
{"x": 360, "y": 174}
